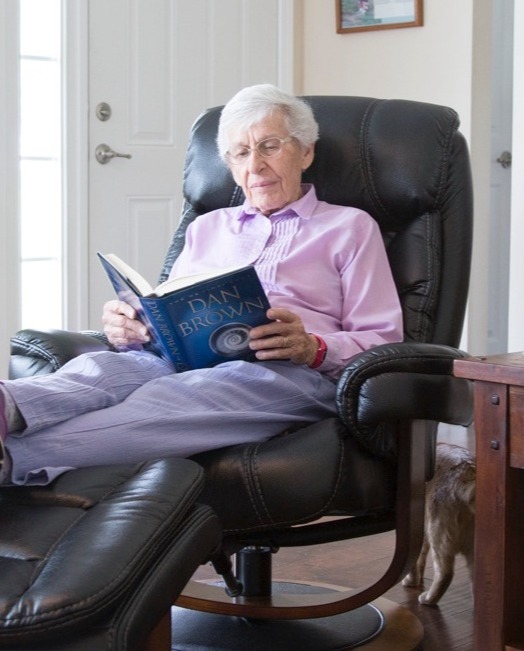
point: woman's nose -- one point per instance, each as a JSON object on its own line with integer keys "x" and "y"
{"x": 255, "y": 161}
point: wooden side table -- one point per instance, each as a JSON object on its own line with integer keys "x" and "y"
{"x": 499, "y": 529}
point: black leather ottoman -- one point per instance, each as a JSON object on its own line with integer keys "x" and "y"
{"x": 95, "y": 560}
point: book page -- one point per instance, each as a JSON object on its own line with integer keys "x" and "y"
{"x": 168, "y": 286}
{"x": 186, "y": 281}
{"x": 136, "y": 279}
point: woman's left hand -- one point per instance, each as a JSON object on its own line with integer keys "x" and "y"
{"x": 283, "y": 338}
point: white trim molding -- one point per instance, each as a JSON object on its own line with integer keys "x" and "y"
{"x": 9, "y": 180}
{"x": 516, "y": 286}
{"x": 75, "y": 163}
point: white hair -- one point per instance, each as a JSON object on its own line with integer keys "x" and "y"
{"x": 255, "y": 103}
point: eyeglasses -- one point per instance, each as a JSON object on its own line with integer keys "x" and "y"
{"x": 266, "y": 148}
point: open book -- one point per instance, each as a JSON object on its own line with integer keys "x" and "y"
{"x": 195, "y": 321}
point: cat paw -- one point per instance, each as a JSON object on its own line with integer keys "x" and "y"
{"x": 427, "y": 600}
{"x": 411, "y": 580}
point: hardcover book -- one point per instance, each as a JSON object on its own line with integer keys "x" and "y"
{"x": 195, "y": 321}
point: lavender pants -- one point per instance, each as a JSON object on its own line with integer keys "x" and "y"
{"x": 106, "y": 408}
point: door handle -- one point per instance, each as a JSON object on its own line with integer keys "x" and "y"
{"x": 505, "y": 159}
{"x": 104, "y": 154}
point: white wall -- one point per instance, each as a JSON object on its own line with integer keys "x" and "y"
{"x": 431, "y": 63}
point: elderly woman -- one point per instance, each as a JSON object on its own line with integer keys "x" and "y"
{"x": 327, "y": 278}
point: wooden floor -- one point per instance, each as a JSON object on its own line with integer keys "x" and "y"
{"x": 447, "y": 627}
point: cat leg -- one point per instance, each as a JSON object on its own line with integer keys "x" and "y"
{"x": 444, "y": 565}
{"x": 469, "y": 560}
{"x": 416, "y": 576}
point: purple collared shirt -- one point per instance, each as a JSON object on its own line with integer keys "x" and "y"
{"x": 324, "y": 262}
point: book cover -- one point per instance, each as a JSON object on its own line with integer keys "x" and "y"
{"x": 197, "y": 321}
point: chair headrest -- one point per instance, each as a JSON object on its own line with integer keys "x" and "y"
{"x": 388, "y": 157}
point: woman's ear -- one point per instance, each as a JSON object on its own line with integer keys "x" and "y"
{"x": 307, "y": 158}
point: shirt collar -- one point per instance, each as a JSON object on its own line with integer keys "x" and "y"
{"x": 303, "y": 207}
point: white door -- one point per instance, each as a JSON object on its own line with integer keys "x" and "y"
{"x": 154, "y": 65}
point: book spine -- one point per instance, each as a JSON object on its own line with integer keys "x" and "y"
{"x": 164, "y": 338}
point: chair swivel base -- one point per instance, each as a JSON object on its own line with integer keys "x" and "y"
{"x": 380, "y": 626}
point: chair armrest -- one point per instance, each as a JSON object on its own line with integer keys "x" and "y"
{"x": 35, "y": 352}
{"x": 401, "y": 381}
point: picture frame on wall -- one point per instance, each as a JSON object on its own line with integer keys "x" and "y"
{"x": 367, "y": 15}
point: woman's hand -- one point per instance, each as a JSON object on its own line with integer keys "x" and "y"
{"x": 121, "y": 326}
{"x": 283, "y": 338}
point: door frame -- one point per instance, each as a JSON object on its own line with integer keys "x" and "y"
{"x": 516, "y": 272}
{"x": 483, "y": 44}
{"x": 9, "y": 191}
{"x": 75, "y": 163}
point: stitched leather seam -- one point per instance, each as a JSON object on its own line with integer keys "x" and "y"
{"x": 256, "y": 482}
{"x": 35, "y": 350}
{"x": 311, "y": 516}
{"x": 248, "y": 478}
{"x": 236, "y": 197}
{"x": 426, "y": 302}
{"x": 445, "y": 155}
{"x": 365, "y": 155}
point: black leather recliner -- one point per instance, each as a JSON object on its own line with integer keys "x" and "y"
{"x": 407, "y": 164}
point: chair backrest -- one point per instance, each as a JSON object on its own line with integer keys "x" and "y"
{"x": 406, "y": 164}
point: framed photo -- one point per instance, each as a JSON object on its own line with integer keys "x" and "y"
{"x": 366, "y": 15}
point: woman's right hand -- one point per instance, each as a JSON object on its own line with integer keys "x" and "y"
{"x": 121, "y": 326}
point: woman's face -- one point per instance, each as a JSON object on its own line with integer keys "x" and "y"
{"x": 269, "y": 183}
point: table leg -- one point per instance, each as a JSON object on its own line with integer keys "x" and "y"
{"x": 499, "y": 533}
{"x": 491, "y": 452}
